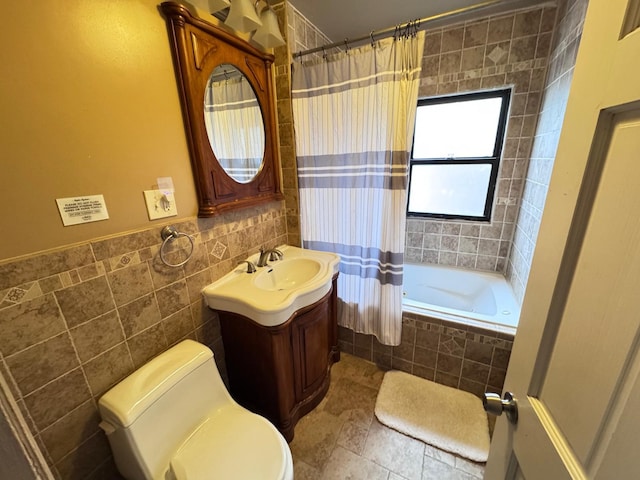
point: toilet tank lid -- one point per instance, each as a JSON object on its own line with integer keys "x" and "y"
{"x": 125, "y": 402}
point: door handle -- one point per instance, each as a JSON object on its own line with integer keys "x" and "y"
{"x": 495, "y": 405}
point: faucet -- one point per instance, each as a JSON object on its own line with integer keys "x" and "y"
{"x": 271, "y": 254}
{"x": 251, "y": 268}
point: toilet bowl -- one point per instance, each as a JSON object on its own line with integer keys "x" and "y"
{"x": 174, "y": 419}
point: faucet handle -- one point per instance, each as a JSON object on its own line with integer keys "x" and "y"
{"x": 251, "y": 268}
{"x": 275, "y": 254}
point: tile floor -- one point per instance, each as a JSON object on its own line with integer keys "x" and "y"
{"x": 341, "y": 438}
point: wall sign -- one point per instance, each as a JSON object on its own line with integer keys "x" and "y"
{"x": 75, "y": 210}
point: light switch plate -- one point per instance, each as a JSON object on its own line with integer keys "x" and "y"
{"x": 160, "y": 204}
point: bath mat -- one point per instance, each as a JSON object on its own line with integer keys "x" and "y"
{"x": 444, "y": 417}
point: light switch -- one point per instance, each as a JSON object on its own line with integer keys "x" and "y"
{"x": 160, "y": 204}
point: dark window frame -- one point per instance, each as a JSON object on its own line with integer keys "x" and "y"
{"x": 493, "y": 160}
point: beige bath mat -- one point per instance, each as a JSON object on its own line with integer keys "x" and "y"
{"x": 444, "y": 417}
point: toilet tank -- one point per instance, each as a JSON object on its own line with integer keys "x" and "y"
{"x": 149, "y": 414}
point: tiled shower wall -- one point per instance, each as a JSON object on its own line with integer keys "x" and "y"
{"x": 562, "y": 60}
{"x": 300, "y": 35}
{"x": 75, "y": 321}
{"x": 489, "y": 53}
{"x": 464, "y": 357}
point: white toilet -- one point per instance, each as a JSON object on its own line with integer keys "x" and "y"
{"x": 174, "y": 419}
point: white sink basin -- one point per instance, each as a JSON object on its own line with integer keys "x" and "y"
{"x": 272, "y": 294}
{"x": 287, "y": 274}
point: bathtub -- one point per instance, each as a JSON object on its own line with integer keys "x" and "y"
{"x": 470, "y": 297}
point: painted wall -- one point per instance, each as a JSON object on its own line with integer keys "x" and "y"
{"x": 90, "y": 106}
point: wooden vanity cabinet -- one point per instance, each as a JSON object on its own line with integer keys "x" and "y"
{"x": 282, "y": 372}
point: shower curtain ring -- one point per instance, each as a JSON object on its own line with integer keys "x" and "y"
{"x": 324, "y": 53}
{"x": 373, "y": 41}
{"x": 346, "y": 45}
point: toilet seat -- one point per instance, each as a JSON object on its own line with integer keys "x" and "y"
{"x": 219, "y": 449}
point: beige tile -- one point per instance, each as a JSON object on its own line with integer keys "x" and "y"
{"x": 441, "y": 471}
{"x": 139, "y": 314}
{"x": 34, "y": 367}
{"x": 195, "y": 284}
{"x": 41, "y": 266}
{"x": 130, "y": 283}
{"x": 50, "y": 284}
{"x": 436, "y": 454}
{"x": 304, "y": 471}
{"x": 199, "y": 260}
{"x": 523, "y": 49}
{"x": 147, "y": 344}
{"x": 53, "y": 401}
{"x": 344, "y": 464}
{"x": 472, "y": 468}
{"x": 178, "y": 325}
{"x": 106, "y": 370}
{"x": 353, "y": 437}
{"x": 476, "y": 34}
{"x": 395, "y": 451}
{"x": 94, "y": 337}
{"x": 106, "y": 471}
{"x": 172, "y": 298}
{"x": 527, "y": 23}
{"x": 500, "y": 29}
{"x": 28, "y": 323}
{"x": 71, "y": 430}
{"x": 315, "y": 437}
{"x": 87, "y": 458}
{"x": 163, "y": 275}
{"x": 85, "y": 301}
{"x": 450, "y": 63}
{"x": 452, "y": 39}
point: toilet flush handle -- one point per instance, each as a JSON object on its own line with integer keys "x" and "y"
{"x": 107, "y": 427}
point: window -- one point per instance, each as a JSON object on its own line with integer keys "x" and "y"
{"x": 454, "y": 163}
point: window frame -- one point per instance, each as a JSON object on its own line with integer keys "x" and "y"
{"x": 493, "y": 160}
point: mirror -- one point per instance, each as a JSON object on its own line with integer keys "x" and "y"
{"x": 234, "y": 123}
{"x": 232, "y": 135}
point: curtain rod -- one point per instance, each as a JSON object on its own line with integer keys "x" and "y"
{"x": 386, "y": 31}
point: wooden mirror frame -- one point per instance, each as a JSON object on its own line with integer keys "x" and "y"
{"x": 198, "y": 48}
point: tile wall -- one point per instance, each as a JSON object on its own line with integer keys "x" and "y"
{"x": 75, "y": 321}
{"x": 488, "y": 53}
{"x": 300, "y": 35}
{"x": 562, "y": 60}
{"x": 464, "y": 357}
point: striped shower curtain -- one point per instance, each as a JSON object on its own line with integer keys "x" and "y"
{"x": 354, "y": 114}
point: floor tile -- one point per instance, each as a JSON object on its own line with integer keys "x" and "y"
{"x": 395, "y": 451}
{"x": 346, "y": 465}
{"x": 341, "y": 439}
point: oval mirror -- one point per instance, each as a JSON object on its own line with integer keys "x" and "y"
{"x": 234, "y": 124}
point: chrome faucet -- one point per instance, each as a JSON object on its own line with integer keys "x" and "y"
{"x": 269, "y": 255}
{"x": 251, "y": 268}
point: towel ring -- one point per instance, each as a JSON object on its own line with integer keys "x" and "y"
{"x": 171, "y": 233}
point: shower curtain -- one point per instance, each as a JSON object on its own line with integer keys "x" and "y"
{"x": 354, "y": 114}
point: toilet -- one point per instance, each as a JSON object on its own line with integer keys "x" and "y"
{"x": 174, "y": 419}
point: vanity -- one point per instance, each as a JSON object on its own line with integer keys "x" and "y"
{"x": 278, "y": 320}
{"x": 280, "y": 333}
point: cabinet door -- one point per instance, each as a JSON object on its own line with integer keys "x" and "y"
{"x": 311, "y": 348}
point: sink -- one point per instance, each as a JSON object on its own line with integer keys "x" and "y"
{"x": 287, "y": 274}
{"x": 274, "y": 292}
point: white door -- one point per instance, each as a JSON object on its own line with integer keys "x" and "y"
{"x": 575, "y": 367}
